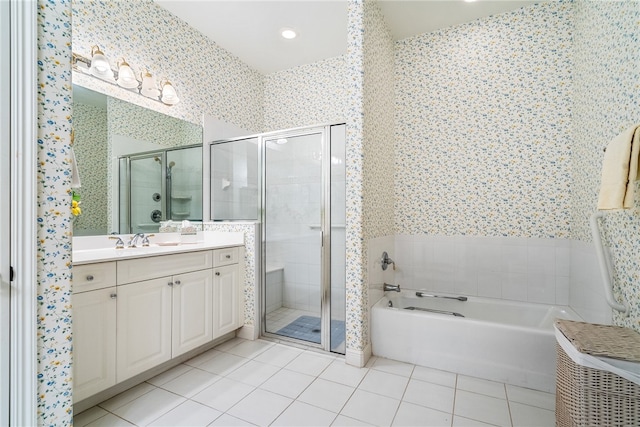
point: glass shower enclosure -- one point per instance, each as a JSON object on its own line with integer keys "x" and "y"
{"x": 158, "y": 186}
{"x": 302, "y": 213}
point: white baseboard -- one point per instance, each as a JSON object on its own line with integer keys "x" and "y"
{"x": 248, "y": 332}
{"x": 358, "y": 358}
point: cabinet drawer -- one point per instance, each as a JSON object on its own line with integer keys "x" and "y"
{"x": 134, "y": 270}
{"x": 225, "y": 256}
{"x": 90, "y": 277}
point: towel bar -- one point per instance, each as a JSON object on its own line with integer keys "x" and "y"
{"x": 605, "y": 267}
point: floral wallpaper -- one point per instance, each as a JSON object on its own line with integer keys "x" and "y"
{"x": 90, "y": 147}
{"x": 53, "y": 326}
{"x": 137, "y": 30}
{"x": 356, "y": 295}
{"x": 378, "y": 192}
{"x": 483, "y": 127}
{"x": 306, "y": 95}
{"x": 369, "y": 155}
{"x": 147, "y": 125}
{"x": 606, "y": 57}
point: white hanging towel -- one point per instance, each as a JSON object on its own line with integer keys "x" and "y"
{"x": 620, "y": 170}
{"x": 75, "y": 174}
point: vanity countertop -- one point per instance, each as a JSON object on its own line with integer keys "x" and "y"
{"x": 89, "y": 250}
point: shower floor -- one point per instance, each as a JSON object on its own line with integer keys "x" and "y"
{"x": 283, "y": 316}
{"x": 302, "y": 324}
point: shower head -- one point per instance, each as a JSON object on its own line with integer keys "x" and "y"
{"x": 157, "y": 159}
{"x": 171, "y": 164}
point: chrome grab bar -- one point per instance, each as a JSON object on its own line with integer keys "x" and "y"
{"x": 430, "y": 310}
{"x": 424, "y": 294}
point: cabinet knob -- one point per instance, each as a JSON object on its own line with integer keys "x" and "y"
{"x": 217, "y": 273}
{"x": 89, "y": 277}
{"x": 113, "y": 296}
{"x": 170, "y": 283}
{"x": 176, "y": 282}
{"x": 228, "y": 257}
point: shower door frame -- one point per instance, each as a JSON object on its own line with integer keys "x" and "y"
{"x": 325, "y": 224}
{"x": 165, "y": 204}
{"x": 325, "y": 294}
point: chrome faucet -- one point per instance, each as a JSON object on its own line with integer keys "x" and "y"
{"x": 145, "y": 239}
{"x": 134, "y": 240}
{"x": 394, "y": 288}
{"x": 119, "y": 243}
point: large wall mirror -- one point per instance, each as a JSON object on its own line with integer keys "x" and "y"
{"x": 137, "y": 167}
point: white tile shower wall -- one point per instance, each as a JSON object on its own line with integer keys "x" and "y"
{"x": 274, "y": 289}
{"x": 293, "y": 218}
{"x": 532, "y": 270}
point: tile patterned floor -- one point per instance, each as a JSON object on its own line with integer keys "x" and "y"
{"x": 245, "y": 383}
{"x": 281, "y": 317}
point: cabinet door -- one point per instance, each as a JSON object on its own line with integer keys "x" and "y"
{"x": 94, "y": 342}
{"x": 226, "y": 300}
{"x": 192, "y": 311}
{"x": 144, "y": 326}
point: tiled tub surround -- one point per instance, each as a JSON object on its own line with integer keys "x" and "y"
{"x": 511, "y": 268}
{"x": 547, "y": 271}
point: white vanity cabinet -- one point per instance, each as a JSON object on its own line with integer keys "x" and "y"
{"x": 228, "y": 310}
{"x": 226, "y": 297}
{"x": 165, "y": 316}
{"x": 192, "y": 311}
{"x": 134, "y": 314}
{"x": 144, "y": 326}
{"x": 94, "y": 328}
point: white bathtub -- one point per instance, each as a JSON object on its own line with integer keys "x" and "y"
{"x": 499, "y": 340}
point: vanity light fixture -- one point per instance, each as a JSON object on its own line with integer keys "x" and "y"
{"x": 169, "y": 95}
{"x": 126, "y": 76}
{"x": 149, "y": 88}
{"x": 288, "y": 33}
{"x": 98, "y": 66}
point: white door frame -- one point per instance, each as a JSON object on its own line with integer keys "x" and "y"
{"x": 18, "y": 216}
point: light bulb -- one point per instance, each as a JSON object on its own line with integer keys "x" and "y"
{"x": 126, "y": 77}
{"x": 288, "y": 33}
{"x": 169, "y": 95}
{"x": 149, "y": 88}
{"x": 100, "y": 64}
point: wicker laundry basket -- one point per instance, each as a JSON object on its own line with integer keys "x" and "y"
{"x": 586, "y": 396}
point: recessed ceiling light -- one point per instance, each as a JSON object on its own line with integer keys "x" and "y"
{"x": 288, "y": 33}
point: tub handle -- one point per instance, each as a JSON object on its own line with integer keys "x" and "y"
{"x": 424, "y": 294}
{"x": 385, "y": 261}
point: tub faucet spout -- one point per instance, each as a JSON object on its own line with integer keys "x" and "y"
{"x": 394, "y": 288}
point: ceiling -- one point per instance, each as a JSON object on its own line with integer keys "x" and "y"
{"x": 250, "y": 29}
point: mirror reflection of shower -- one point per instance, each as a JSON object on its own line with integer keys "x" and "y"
{"x": 158, "y": 186}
